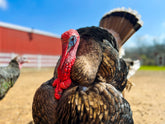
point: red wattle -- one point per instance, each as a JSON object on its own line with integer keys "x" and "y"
{"x": 65, "y": 84}
{"x": 57, "y": 96}
{"x": 55, "y": 82}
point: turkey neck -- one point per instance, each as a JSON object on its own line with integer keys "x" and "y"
{"x": 67, "y": 60}
{"x": 14, "y": 64}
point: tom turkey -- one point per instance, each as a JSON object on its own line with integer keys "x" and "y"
{"x": 133, "y": 66}
{"x": 10, "y": 73}
{"x": 89, "y": 76}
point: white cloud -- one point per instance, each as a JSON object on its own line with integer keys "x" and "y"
{"x": 145, "y": 40}
{"x": 163, "y": 24}
{"x": 161, "y": 38}
{"x": 151, "y": 39}
{"x": 3, "y": 4}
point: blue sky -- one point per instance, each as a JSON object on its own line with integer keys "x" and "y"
{"x": 57, "y": 16}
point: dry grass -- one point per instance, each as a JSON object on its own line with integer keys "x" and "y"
{"x": 147, "y": 98}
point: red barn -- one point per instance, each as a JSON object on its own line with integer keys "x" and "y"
{"x": 41, "y": 48}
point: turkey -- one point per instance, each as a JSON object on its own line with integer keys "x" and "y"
{"x": 89, "y": 77}
{"x": 133, "y": 66}
{"x": 59, "y": 101}
{"x": 10, "y": 73}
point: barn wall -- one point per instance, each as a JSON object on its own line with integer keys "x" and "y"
{"x": 0, "y": 38}
{"x": 21, "y": 42}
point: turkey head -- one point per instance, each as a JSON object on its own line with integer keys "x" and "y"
{"x": 70, "y": 41}
{"x": 19, "y": 60}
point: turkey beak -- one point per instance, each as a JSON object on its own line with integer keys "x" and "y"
{"x": 68, "y": 49}
{"x": 25, "y": 60}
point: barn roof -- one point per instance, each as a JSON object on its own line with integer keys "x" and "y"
{"x": 26, "y": 29}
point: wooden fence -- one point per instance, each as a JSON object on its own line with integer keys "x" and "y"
{"x": 36, "y": 61}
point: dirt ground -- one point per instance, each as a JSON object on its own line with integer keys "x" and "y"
{"x": 147, "y": 97}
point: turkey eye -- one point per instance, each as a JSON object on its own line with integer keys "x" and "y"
{"x": 72, "y": 41}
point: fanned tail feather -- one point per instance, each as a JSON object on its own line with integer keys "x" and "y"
{"x": 122, "y": 23}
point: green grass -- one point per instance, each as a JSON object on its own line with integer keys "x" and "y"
{"x": 153, "y": 68}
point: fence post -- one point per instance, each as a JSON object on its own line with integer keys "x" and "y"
{"x": 39, "y": 61}
{"x": 13, "y": 55}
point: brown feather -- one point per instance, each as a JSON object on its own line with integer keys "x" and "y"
{"x": 122, "y": 23}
